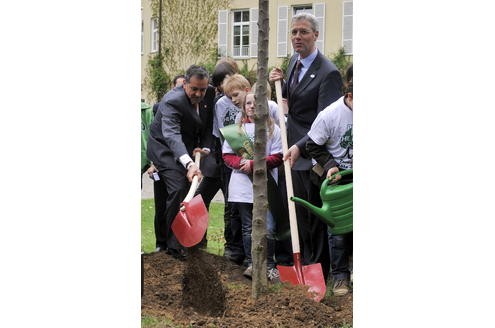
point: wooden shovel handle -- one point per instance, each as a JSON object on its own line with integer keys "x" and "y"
{"x": 195, "y": 181}
{"x": 288, "y": 174}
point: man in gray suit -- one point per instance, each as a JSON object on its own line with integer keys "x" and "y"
{"x": 177, "y": 132}
{"x": 311, "y": 84}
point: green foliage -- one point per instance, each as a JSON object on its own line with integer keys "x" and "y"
{"x": 157, "y": 80}
{"x": 341, "y": 60}
{"x": 189, "y": 32}
{"x": 248, "y": 72}
{"x": 210, "y": 62}
{"x": 285, "y": 63}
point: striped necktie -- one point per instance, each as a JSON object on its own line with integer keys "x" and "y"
{"x": 295, "y": 77}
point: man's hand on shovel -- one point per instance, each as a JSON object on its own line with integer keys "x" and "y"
{"x": 191, "y": 222}
{"x": 193, "y": 170}
{"x": 203, "y": 151}
{"x": 292, "y": 154}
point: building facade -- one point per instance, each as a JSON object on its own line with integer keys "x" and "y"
{"x": 238, "y": 31}
{"x": 237, "y": 35}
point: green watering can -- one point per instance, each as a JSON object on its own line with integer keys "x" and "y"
{"x": 336, "y": 210}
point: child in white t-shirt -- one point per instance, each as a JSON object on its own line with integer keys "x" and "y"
{"x": 330, "y": 145}
{"x": 239, "y": 158}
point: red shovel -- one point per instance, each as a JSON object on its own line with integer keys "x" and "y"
{"x": 310, "y": 275}
{"x": 191, "y": 222}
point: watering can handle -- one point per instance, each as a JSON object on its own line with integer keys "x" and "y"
{"x": 342, "y": 173}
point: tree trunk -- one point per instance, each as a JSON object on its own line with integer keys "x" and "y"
{"x": 260, "y": 201}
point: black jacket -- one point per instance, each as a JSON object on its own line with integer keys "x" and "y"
{"x": 320, "y": 86}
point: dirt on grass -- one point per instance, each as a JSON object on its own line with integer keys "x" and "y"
{"x": 208, "y": 290}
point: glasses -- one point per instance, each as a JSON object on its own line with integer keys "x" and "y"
{"x": 301, "y": 31}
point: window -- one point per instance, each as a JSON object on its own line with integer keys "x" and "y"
{"x": 347, "y": 27}
{"x": 142, "y": 37}
{"x": 303, "y": 9}
{"x": 154, "y": 34}
{"x": 241, "y": 33}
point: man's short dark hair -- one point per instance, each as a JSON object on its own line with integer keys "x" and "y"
{"x": 223, "y": 68}
{"x": 198, "y": 71}
{"x": 178, "y": 77}
{"x": 348, "y": 80}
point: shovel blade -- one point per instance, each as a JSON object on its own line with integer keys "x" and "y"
{"x": 190, "y": 224}
{"x": 311, "y": 275}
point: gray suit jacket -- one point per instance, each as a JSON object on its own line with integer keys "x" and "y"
{"x": 320, "y": 86}
{"x": 176, "y": 130}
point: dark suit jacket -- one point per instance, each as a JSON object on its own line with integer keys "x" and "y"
{"x": 209, "y": 164}
{"x": 177, "y": 129}
{"x": 320, "y": 86}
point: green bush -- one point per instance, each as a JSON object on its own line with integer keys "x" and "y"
{"x": 157, "y": 80}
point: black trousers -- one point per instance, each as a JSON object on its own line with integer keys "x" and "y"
{"x": 176, "y": 188}
{"x": 208, "y": 188}
{"x": 313, "y": 235}
{"x": 160, "y": 199}
{"x": 340, "y": 253}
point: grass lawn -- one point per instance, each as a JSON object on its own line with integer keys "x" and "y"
{"x": 214, "y": 234}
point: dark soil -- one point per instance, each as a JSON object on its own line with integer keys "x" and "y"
{"x": 207, "y": 290}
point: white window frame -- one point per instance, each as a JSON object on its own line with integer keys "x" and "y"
{"x": 346, "y": 21}
{"x": 154, "y": 34}
{"x": 302, "y": 9}
{"x": 243, "y": 51}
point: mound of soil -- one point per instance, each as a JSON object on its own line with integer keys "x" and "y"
{"x": 207, "y": 290}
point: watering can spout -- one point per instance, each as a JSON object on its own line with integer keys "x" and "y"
{"x": 314, "y": 209}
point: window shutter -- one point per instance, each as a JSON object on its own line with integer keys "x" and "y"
{"x": 253, "y": 32}
{"x": 319, "y": 12}
{"x": 222, "y": 32}
{"x": 154, "y": 34}
{"x": 282, "y": 33}
{"x": 347, "y": 27}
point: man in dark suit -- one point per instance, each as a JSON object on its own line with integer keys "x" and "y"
{"x": 311, "y": 84}
{"x": 176, "y": 134}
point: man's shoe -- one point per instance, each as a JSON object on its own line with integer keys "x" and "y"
{"x": 273, "y": 275}
{"x": 248, "y": 273}
{"x": 160, "y": 249}
{"x": 178, "y": 254}
{"x": 341, "y": 287}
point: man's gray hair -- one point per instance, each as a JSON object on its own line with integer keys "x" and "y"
{"x": 308, "y": 17}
